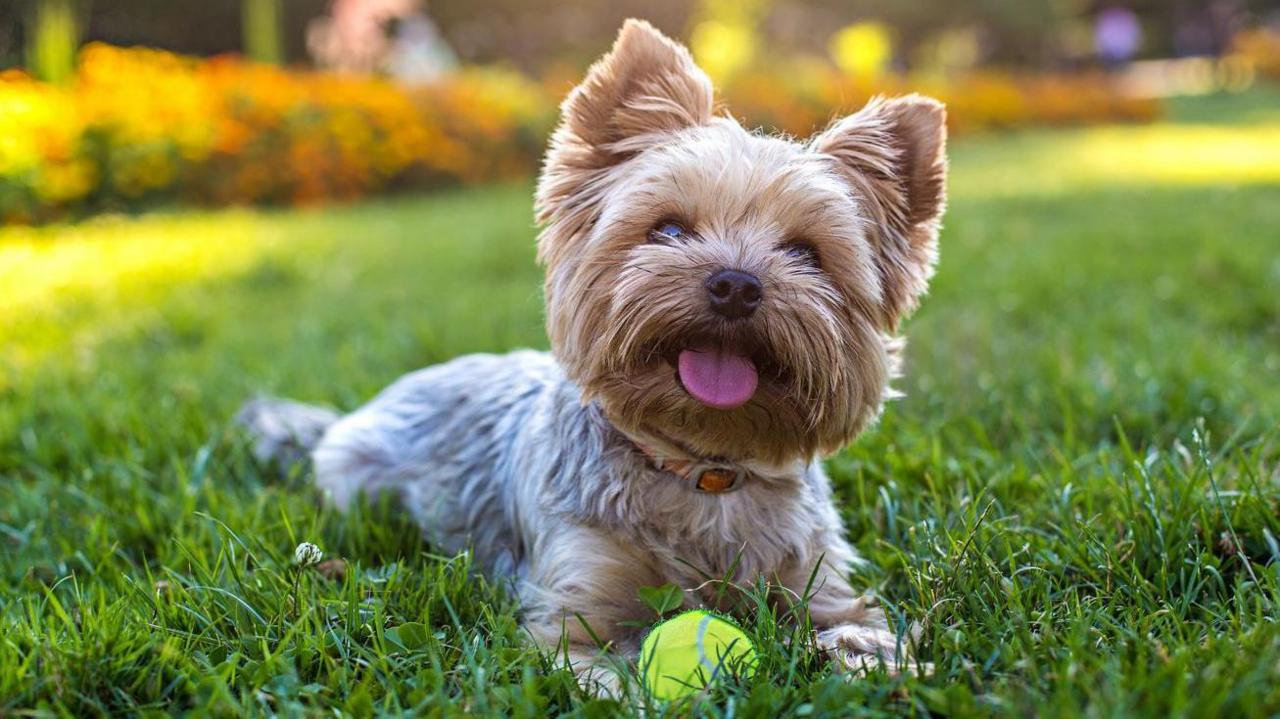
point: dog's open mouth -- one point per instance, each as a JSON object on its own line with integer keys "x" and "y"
{"x": 719, "y": 376}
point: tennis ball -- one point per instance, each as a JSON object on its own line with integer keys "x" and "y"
{"x": 684, "y": 654}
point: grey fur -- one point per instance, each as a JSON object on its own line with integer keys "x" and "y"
{"x": 488, "y": 451}
{"x": 284, "y": 432}
{"x": 498, "y": 454}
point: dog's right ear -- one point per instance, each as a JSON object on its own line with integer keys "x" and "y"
{"x": 647, "y": 84}
{"x": 645, "y": 87}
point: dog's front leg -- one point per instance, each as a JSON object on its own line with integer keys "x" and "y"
{"x": 580, "y": 597}
{"x": 851, "y": 627}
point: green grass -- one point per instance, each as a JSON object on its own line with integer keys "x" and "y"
{"x": 1079, "y": 497}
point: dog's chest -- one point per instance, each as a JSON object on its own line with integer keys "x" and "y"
{"x": 736, "y": 535}
{"x": 594, "y": 476}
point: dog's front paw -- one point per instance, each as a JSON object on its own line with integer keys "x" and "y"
{"x": 599, "y": 681}
{"x": 859, "y": 648}
{"x": 862, "y": 641}
{"x": 596, "y": 674}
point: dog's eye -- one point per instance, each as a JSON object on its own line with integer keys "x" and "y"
{"x": 666, "y": 231}
{"x": 801, "y": 252}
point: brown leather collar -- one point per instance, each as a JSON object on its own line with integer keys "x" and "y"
{"x": 706, "y": 476}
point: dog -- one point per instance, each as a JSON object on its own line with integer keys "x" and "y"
{"x": 723, "y": 309}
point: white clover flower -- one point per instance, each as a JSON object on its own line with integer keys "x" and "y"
{"x": 307, "y": 554}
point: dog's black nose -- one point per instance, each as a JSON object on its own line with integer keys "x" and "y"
{"x": 734, "y": 294}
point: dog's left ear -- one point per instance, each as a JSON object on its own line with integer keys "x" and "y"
{"x": 893, "y": 154}
{"x": 647, "y": 86}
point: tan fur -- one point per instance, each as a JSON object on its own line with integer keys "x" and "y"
{"x": 893, "y": 152}
{"x": 638, "y": 144}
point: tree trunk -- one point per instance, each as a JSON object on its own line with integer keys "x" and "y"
{"x": 55, "y": 37}
{"x": 261, "y": 24}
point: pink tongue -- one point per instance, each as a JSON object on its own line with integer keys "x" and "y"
{"x": 717, "y": 379}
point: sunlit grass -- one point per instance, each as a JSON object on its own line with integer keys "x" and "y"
{"x": 106, "y": 256}
{"x": 1158, "y": 155}
{"x": 113, "y": 264}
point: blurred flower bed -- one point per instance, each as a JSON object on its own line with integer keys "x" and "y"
{"x": 138, "y": 127}
{"x": 802, "y": 96}
{"x": 1260, "y": 48}
{"x": 142, "y": 126}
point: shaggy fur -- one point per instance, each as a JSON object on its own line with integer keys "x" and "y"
{"x": 533, "y": 461}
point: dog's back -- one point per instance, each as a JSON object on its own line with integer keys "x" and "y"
{"x": 440, "y": 439}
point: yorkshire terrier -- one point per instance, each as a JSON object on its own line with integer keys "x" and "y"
{"x": 722, "y": 308}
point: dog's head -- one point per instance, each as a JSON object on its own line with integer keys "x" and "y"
{"x": 734, "y": 292}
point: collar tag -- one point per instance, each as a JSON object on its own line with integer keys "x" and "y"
{"x": 705, "y": 476}
{"x": 714, "y": 480}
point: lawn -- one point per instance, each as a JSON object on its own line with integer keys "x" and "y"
{"x": 1078, "y": 498}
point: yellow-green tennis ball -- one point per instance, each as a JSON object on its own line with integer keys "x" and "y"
{"x": 684, "y": 654}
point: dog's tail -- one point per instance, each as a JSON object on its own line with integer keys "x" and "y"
{"x": 284, "y": 432}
